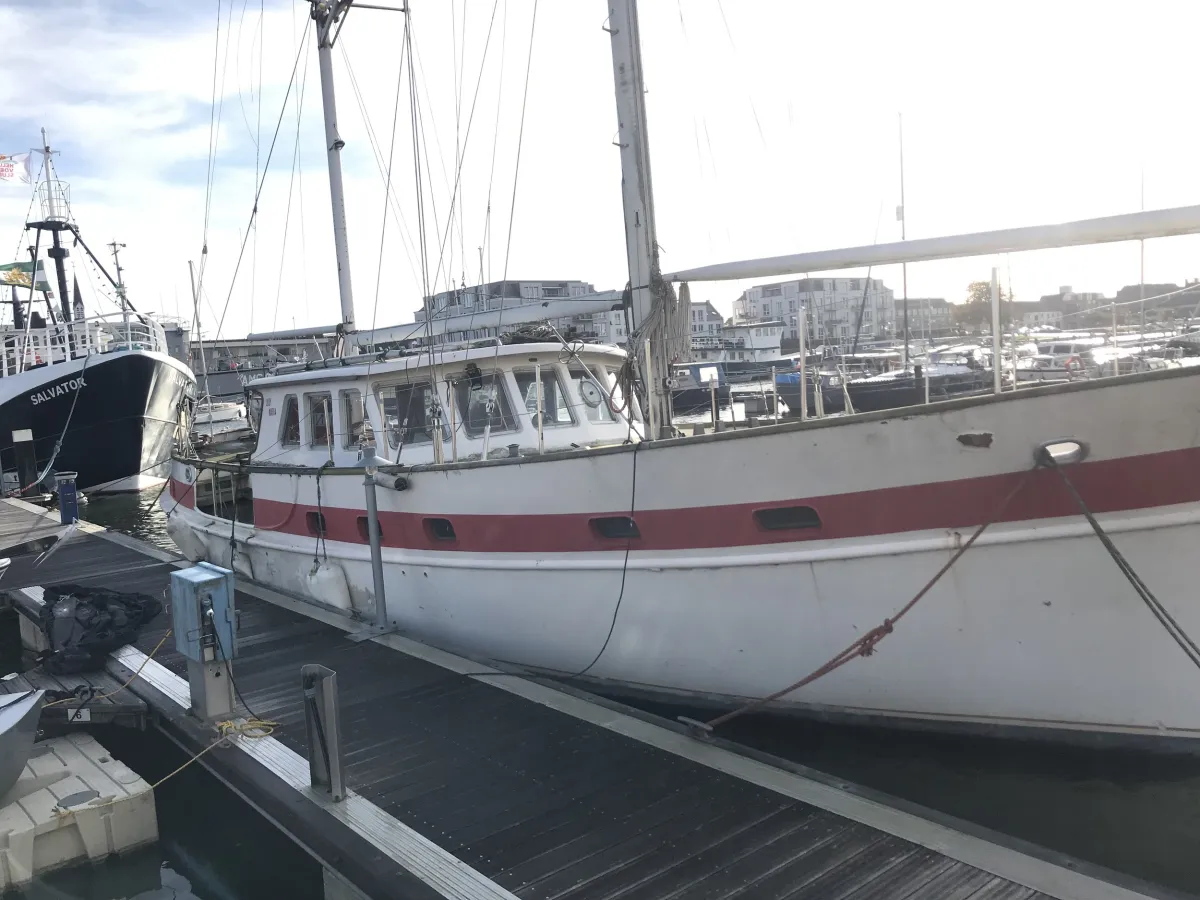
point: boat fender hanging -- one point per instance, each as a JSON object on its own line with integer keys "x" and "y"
{"x": 326, "y": 583}
{"x": 241, "y": 563}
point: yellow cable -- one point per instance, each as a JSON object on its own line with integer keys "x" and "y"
{"x": 251, "y": 728}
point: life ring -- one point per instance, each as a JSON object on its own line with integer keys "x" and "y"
{"x": 1078, "y": 364}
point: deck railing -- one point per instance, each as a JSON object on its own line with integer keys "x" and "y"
{"x": 59, "y": 343}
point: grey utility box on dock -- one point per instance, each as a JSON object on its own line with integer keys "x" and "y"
{"x": 202, "y": 607}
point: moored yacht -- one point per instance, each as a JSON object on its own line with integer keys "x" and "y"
{"x": 535, "y": 510}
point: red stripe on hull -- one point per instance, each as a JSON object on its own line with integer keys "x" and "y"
{"x": 183, "y": 494}
{"x": 1141, "y": 482}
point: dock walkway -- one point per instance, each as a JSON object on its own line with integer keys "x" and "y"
{"x": 465, "y": 784}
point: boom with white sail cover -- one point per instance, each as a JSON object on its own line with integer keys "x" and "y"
{"x": 1107, "y": 229}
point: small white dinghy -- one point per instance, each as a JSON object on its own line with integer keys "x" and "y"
{"x": 19, "y": 714}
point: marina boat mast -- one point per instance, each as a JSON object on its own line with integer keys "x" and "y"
{"x": 653, "y": 306}
{"x": 326, "y": 14}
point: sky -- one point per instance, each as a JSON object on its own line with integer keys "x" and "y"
{"x": 773, "y": 129}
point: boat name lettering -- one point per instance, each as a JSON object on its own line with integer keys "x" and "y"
{"x": 58, "y": 390}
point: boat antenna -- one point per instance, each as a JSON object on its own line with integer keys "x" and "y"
{"x": 199, "y": 333}
{"x": 120, "y": 285}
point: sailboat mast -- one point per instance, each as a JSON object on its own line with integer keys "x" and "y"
{"x": 649, "y": 314}
{"x": 54, "y": 220}
{"x": 199, "y": 333}
{"x": 326, "y": 14}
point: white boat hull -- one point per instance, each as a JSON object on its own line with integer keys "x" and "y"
{"x": 1033, "y": 628}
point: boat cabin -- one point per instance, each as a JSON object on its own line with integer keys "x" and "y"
{"x": 459, "y": 405}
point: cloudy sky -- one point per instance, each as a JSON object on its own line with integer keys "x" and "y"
{"x": 773, "y": 129}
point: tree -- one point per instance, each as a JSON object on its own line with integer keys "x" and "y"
{"x": 976, "y": 311}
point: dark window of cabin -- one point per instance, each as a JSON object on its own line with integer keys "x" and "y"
{"x": 289, "y": 427}
{"x": 783, "y": 518}
{"x": 440, "y": 529}
{"x": 364, "y": 530}
{"x": 615, "y": 527}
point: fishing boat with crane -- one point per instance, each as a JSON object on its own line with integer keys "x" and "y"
{"x": 537, "y": 509}
{"x": 97, "y": 395}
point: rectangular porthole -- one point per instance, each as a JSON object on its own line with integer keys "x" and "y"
{"x": 615, "y": 527}
{"x": 364, "y": 531}
{"x": 783, "y": 518}
{"x": 316, "y": 523}
{"x": 440, "y": 529}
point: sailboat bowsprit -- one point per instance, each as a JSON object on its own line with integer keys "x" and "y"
{"x": 533, "y": 513}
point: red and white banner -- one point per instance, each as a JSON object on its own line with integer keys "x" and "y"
{"x": 14, "y": 169}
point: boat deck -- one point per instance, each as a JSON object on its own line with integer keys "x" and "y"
{"x": 467, "y": 783}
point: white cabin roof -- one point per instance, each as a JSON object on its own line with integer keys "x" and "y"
{"x": 355, "y": 367}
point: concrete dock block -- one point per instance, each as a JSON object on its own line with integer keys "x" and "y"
{"x": 73, "y": 803}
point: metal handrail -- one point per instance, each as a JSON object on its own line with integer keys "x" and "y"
{"x": 58, "y": 343}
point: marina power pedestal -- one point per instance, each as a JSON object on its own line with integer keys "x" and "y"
{"x": 202, "y": 607}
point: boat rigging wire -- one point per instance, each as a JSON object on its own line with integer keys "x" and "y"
{"x": 287, "y": 215}
{"x": 214, "y": 128}
{"x": 866, "y": 286}
{"x": 485, "y": 278}
{"x": 263, "y": 180}
{"x": 460, "y": 153}
{"x": 37, "y": 180}
{"x": 612, "y": 625}
{"x": 512, "y": 207}
{"x": 387, "y": 189}
{"x": 257, "y": 152}
{"x": 67, "y": 424}
{"x": 405, "y": 235}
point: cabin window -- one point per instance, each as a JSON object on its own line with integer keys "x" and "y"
{"x": 556, "y": 409}
{"x": 482, "y": 401}
{"x": 440, "y": 529}
{"x": 317, "y": 408}
{"x": 353, "y": 417}
{"x": 784, "y": 518}
{"x": 615, "y": 527}
{"x": 289, "y": 426}
{"x": 593, "y": 402}
{"x": 315, "y": 522}
{"x": 254, "y": 410}
{"x": 364, "y": 530}
{"x": 410, "y": 413}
